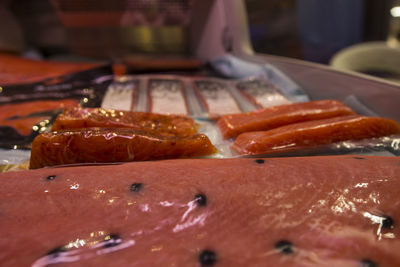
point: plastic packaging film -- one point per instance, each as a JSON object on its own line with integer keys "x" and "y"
{"x": 138, "y": 210}
{"x": 205, "y": 99}
{"x": 197, "y": 213}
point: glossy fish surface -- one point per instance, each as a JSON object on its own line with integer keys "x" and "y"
{"x": 268, "y": 118}
{"x": 102, "y": 145}
{"x": 313, "y": 133}
{"x": 311, "y": 211}
{"x": 78, "y": 118}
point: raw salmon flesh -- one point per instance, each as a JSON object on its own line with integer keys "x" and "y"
{"x": 313, "y": 211}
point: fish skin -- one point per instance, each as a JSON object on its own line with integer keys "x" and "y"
{"x": 268, "y": 118}
{"x": 102, "y": 145}
{"x": 316, "y": 203}
{"x": 313, "y": 133}
{"x": 78, "y": 118}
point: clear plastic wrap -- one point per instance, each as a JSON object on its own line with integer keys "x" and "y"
{"x": 332, "y": 211}
{"x": 29, "y": 109}
{"x": 204, "y": 99}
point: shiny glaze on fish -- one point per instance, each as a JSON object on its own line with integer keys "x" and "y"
{"x": 312, "y": 211}
{"x": 273, "y": 117}
{"x": 312, "y": 133}
{"x": 99, "y": 145}
{"x": 78, "y": 118}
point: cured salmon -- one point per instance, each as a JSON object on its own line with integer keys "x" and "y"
{"x": 17, "y": 70}
{"x": 306, "y": 134}
{"x": 78, "y": 118}
{"x": 312, "y": 211}
{"x": 99, "y": 145}
{"x": 266, "y": 119}
{"x": 23, "y": 116}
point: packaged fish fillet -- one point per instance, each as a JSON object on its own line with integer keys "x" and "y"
{"x": 299, "y": 211}
{"x": 101, "y": 190}
{"x": 29, "y": 109}
{"x": 16, "y": 70}
{"x": 219, "y": 109}
{"x": 202, "y": 98}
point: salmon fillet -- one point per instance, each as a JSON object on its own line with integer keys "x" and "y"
{"x": 78, "y": 118}
{"x": 19, "y": 115}
{"x": 307, "y": 134}
{"x": 265, "y": 119}
{"x": 94, "y": 145}
{"x": 17, "y": 70}
{"x": 313, "y": 211}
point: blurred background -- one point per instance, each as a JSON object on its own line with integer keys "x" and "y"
{"x": 315, "y": 30}
{"x": 311, "y": 30}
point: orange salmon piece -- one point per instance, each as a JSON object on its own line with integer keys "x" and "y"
{"x": 98, "y": 145}
{"x": 16, "y": 70}
{"x": 306, "y": 134}
{"x": 311, "y": 211}
{"x": 24, "y": 124}
{"x": 268, "y": 118}
{"x": 78, "y": 118}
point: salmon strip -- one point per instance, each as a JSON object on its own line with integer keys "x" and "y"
{"x": 312, "y": 211}
{"x": 265, "y": 119}
{"x": 306, "y": 134}
{"x": 78, "y": 118}
{"x": 97, "y": 145}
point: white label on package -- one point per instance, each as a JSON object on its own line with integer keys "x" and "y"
{"x": 166, "y": 96}
{"x": 120, "y": 96}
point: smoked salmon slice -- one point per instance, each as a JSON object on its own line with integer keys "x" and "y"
{"x": 98, "y": 145}
{"x": 23, "y": 116}
{"x": 17, "y": 70}
{"x": 265, "y": 119}
{"x": 306, "y": 134}
{"x": 312, "y": 211}
{"x": 78, "y": 118}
